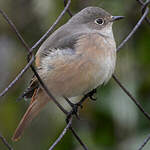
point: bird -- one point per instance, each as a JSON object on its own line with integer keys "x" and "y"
{"x": 75, "y": 59}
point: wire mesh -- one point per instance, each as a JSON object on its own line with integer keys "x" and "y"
{"x": 30, "y": 59}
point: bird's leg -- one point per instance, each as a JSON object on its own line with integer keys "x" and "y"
{"x": 76, "y": 106}
{"x": 91, "y": 94}
{"x": 74, "y": 110}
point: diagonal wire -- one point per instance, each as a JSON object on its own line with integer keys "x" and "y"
{"x": 144, "y": 143}
{"x": 47, "y": 91}
{"x": 52, "y": 27}
{"x": 61, "y": 135}
{"x": 5, "y": 143}
{"x": 131, "y": 97}
{"x": 78, "y": 139}
{"x": 68, "y": 10}
{"x": 17, "y": 77}
{"x": 134, "y": 29}
{"x": 13, "y": 27}
{"x": 144, "y": 5}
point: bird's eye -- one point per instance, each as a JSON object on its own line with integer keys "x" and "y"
{"x": 99, "y": 21}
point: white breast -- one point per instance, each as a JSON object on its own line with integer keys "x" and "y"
{"x": 105, "y": 71}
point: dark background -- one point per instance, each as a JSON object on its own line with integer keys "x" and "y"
{"x": 113, "y": 122}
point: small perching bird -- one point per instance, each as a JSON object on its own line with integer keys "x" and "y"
{"x": 74, "y": 60}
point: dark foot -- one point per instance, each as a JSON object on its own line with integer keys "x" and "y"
{"x": 76, "y": 106}
{"x": 74, "y": 110}
{"x": 91, "y": 95}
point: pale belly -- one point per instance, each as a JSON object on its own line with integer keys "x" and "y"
{"x": 79, "y": 76}
{"x": 101, "y": 72}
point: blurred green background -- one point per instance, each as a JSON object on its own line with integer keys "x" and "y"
{"x": 113, "y": 122}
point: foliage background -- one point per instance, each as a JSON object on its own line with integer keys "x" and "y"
{"x": 112, "y": 122}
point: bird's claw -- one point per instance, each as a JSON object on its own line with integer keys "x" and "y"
{"x": 74, "y": 111}
{"x": 92, "y": 98}
{"x": 91, "y": 95}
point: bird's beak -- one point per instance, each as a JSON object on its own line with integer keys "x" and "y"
{"x": 114, "y": 18}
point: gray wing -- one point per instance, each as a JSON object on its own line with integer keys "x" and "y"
{"x": 63, "y": 37}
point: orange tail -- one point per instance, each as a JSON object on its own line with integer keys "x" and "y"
{"x": 32, "y": 111}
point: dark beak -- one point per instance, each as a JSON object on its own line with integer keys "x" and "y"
{"x": 114, "y": 18}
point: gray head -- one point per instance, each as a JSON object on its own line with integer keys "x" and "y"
{"x": 94, "y": 18}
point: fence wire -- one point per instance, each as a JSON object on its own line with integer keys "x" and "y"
{"x": 31, "y": 58}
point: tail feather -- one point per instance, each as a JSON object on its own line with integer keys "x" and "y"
{"x": 32, "y": 111}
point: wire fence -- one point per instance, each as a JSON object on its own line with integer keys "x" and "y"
{"x": 31, "y": 58}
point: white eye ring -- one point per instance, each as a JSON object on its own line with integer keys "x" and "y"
{"x": 99, "y": 21}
